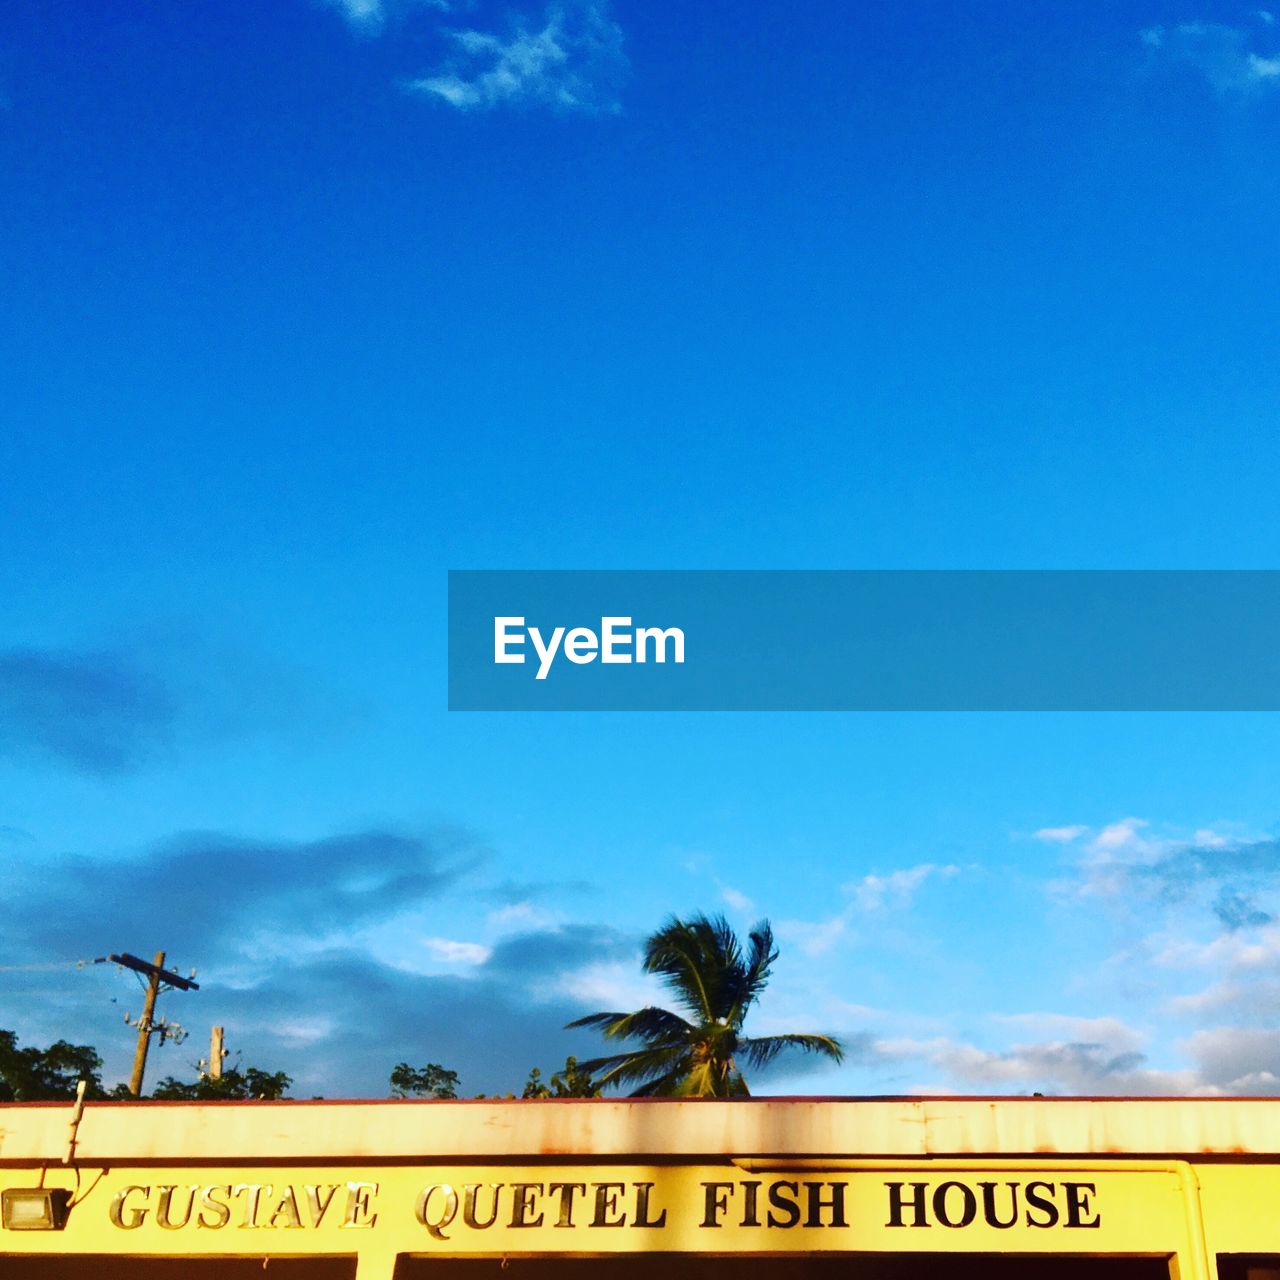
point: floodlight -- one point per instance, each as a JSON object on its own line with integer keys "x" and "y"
{"x": 34, "y": 1208}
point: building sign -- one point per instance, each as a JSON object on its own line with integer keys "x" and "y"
{"x": 621, "y": 1209}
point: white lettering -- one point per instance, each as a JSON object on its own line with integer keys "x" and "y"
{"x": 546, "y": 653}
{"x": 611, "y": 640}
{"x": 502, "y": 638}
{"x": 615, "y": 642}
{"x": 580, "y": 645}
{"x": 660, "y": 636}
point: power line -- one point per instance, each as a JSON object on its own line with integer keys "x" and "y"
{"x": 155, "y": 979}
{"x": 44, "y": 968}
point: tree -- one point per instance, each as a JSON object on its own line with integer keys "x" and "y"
{"x": 45, "y": 1075}
{"x": 431, "y": 1081}
{"x": 572, "y": 1082}
{"x": 232, "y": 1083}
{"x": 702, "y": 963}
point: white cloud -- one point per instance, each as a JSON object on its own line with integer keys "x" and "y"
{"x": 1062, "y": 835}
{"x": 1213, "y": 1000}
{"x": 1208, "y": 838}
{"x": 1106, "y": 859}
{"x": 364, "y": 15}
{"x": 1234, "y": 951}
{"x": 813, "y": 937}
{"x": 1095, "y": 1056}
{"x": 1245, "y": 965}
{"x": 1238, "y": 1060}
{"x": 1099, "y": 1056}
{"x": 303, "y": 1031}
{"x": 735, "y": 899}
{"x": 369, "y": 17}
{"x": 849, "y": 1010}
{"x": 572, "y": 62}
{"x": 1129, "y": 858}
{"x": 873, "y": 892}
{"x": 452, "y": 952}
{"x": 1124, "y": 834}
{"x": 525, "y": 915}
{"x": 1220, "y": 54}
{"x": 1204, "y": 904}
{"x": 1103, "y": 1030}
{"x": 610, "y": 985}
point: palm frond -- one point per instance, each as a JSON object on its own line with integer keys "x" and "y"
{"x": 754, "y": 973}
{"x": 597, "y": 1020}
{"x": 699, "y": 1083}
{"x": 610, "y": 1062}
{"x": 760, "y": 958}
{"x": 759, "y": 1051}
{"x": 700, "y": 960}
{"x": 640, "y": 1065}
{"x": 713, "y": 1080}
{"x": 663, "y": 1086}
{"x": 677, "y": 954}
{"x": 650, "y": 1024}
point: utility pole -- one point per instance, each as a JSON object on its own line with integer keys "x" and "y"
{"x": 216, "y": 1054}
{"x": 144, "y": 1025}
{"x": 158, "y": 979}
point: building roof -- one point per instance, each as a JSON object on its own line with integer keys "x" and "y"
{"x": 631, "y": 1129}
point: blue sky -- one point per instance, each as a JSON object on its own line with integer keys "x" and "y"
{"x": 309, "y": 303}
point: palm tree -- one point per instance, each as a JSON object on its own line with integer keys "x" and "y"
{"x": 702, "y": 963}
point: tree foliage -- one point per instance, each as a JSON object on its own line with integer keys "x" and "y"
{"x": 45, "y": 1075}
{"x": 251, "y": 1082}
{"x": 715, "y": 982}
{"x": 431, "y": 1081}
{"x": 51, "y": 1075}
{"x": 570, "y": 1082}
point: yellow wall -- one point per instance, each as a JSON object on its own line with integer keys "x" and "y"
{"x": 171, "y": 1191}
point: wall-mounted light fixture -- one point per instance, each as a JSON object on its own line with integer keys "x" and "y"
{"x": 34, "y": 1208}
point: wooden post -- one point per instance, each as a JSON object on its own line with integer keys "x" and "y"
{"x": 216, "y": 1054}
{"x": 144, "y": 1027}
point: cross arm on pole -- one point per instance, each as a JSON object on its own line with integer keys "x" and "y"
{"x": 154, "y": 971}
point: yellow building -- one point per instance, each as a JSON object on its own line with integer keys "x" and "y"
{"x": 759, "y": 1189}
